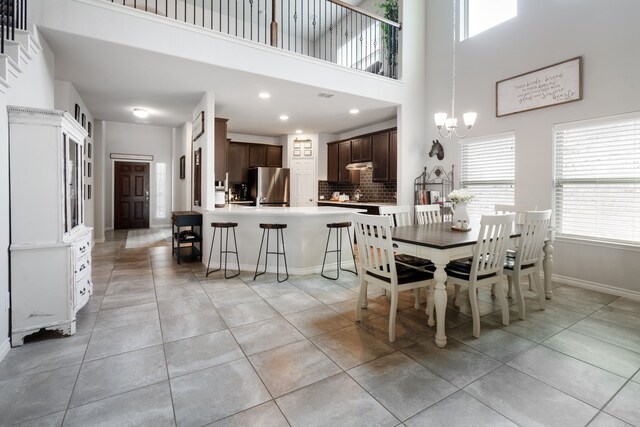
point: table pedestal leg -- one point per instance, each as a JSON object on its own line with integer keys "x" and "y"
{"x": 440, "y": 300}
{"x": 547, "y": 266}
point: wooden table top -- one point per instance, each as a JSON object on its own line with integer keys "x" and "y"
{"x": 440, "y": 235}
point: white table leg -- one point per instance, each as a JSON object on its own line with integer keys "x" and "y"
{"x": 440, "y": 300}
{"x": 547, "y": 267}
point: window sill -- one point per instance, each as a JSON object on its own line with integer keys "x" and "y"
{"x": 621, "y": 246}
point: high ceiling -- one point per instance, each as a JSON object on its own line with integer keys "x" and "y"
{"x": 113, "y": 79}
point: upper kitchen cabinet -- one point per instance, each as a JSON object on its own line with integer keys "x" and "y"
{"x": 274, "y": 156}
{"x": 380, "y": 156}
{"x": 220, "y": 149}
{"x": 393, "y": 156}
{"x": 257, "y": 155}
{"x": 332, "y": 162}
{"x": 238, "y": 163}
{"x": 361, "y": 149}
{"x": 344, "y": 158}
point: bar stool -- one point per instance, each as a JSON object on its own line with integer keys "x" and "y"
{"x": 266, "y": 228}
{"x": 339, "y": 226}
{"x": 224, "y": 226}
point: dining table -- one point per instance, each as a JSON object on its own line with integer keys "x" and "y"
{"x": 441, "y": 244}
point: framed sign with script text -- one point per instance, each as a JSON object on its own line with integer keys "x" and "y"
{"x": 556, "y": 84}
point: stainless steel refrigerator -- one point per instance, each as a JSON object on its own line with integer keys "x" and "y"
{"x": 269, "y": 186}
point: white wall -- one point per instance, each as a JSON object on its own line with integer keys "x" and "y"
{"x": 182, "y": 187}
{"x": 206, "y": 141}
{"x": 66, "y": 98}
{"x": 543, "y": 33}
{"x": 127, "y": 138}
{"x": 34, "y": 88}
{"x": 256, "y": 139}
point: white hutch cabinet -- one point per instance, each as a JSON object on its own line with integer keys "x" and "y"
{"x": 50, "y": 246}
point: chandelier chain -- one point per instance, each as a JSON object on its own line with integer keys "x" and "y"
{"x": 453, "y": 65}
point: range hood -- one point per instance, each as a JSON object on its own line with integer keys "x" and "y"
{"x": 359, "y": 166}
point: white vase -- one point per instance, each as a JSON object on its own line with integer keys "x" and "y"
{"x": 460, "y": 215}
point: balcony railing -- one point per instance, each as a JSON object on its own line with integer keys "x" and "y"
{"x": 329, "y": 30}
{"x": 13, "y": 14}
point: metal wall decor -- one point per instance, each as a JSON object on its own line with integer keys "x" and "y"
{"x": 436, "y": 150}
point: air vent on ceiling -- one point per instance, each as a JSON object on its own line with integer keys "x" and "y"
{"x": 325, "y": 95}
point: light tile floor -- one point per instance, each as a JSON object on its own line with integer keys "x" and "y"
{"x": 161, "y": 344}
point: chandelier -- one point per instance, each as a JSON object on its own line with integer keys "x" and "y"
{"x": 448, "y": 126}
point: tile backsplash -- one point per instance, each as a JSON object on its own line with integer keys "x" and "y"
{"x": 370, "y": 191}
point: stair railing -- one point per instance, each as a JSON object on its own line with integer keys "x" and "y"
{"x": 13, "y": 14}
{"x": 329, "y": 30}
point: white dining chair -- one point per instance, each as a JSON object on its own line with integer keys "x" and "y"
{"x": 487, "y": 266}
{"x": 400, "y": 216}
{"x": 505, "y": 209}
{"x": 378, "y": 266}
{"x": 428, "y": 214}
{"x": 528, "y": 258}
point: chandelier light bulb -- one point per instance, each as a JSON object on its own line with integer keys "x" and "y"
{"x": 469, "y": 119}
{"x": 440, "y": 119}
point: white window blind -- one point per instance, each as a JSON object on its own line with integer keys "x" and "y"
{"x": 487, "y": 170}
{"x": 597, "y": 179}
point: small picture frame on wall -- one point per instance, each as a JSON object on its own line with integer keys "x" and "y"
{"x": 198, "y": 126}
{"x": 307, "y": 145}
{"x": 85, "y": 168}
{"x": 89, "y": 149}
{"x": 307, "y": 153}
{"x": 89, "y": 192}
{"x": 89, "y": 129}
{"x": 297, "y": 145}
{"x": 183, "y": 164}
{"x": 89, "y": 169}
{"x": 84, "y": 121}
{"x": 77, "y": 113}
{"x": 297, "y": 153}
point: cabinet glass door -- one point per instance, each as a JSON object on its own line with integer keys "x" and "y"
{"x": 73, "y": 183}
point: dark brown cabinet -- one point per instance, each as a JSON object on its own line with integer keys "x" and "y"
{"x": 344, "y": 158}
{"x": 361, "y": 149}
{"x": 257, "y": 155}
{"x": 274, "y": 156}
{"x": 238, "y": 163}
{"x": 242, "y": 156}
{"x": 220, "y": 149}
{"x": 332, "y": 162}
{"x": 380, "y": 157}
{"x": 393, "y": 156}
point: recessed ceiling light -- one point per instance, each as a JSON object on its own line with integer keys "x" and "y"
{"x": 141, "y": 113}
{"x": 284, "y": 117}
{"x": 264, "y": 95}
{"x": 298, "y": 131}
{"x": 354, "y": 111}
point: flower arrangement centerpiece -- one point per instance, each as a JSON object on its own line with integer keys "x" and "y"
{"x": 460, "y": 215}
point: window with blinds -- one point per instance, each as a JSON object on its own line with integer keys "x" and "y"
{"x": 487, "y": 170}
{"x": 597, "y": 179}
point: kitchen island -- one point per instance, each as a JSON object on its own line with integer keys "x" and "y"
{"x": 305, "y": 236}
{"x": 372, "y": 208}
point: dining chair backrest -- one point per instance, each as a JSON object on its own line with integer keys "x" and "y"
{"x": 502, "y": 209}
{"x": 375, "y": 248}
{"x": 428, "y": 214}
{"x": 400, "y": 215}
{"x": 536, "y": 224}
{"x": 491, "y": 247}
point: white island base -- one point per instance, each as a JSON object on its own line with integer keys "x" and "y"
{"x": 305, "y": 237}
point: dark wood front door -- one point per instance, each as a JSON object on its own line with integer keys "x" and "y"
{"x": 131, "y": 204}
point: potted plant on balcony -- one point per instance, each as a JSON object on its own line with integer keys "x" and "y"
{"x": 389, "y": 10}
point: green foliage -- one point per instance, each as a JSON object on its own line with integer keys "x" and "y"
{"x": 389, "y": 33}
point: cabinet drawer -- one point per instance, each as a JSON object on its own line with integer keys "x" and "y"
{"x": 82, "y": 266}
{"x": 83, "y": 247}
{"x": 82, "y": 292}
{"x": 405, "y": 248}
{"x": 187, "y": 220}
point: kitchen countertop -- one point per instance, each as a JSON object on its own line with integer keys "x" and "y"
{"x": 353, "y": 203}
{"x": 284, "y": 211}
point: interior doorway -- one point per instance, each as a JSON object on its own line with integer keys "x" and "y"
{"x": 303, "y": 182}
{"x": 131, "y": 195}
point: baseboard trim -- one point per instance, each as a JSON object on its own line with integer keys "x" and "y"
{"x": 607, "y": 289}
{"x": 4, "y": 348}
{"x": 98, "y": 240}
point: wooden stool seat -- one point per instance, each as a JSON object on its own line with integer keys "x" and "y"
{"x": 224, "y": 224}
{"x": 273, "y": 226}
{"x": 339, "y": 225}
